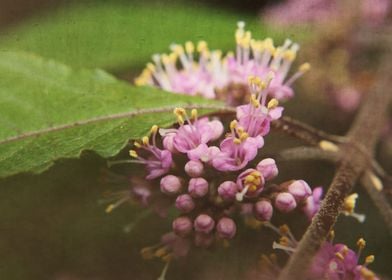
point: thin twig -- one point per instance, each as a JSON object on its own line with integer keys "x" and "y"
{"x": 363, "y": 133}
{"x": 308, "y": 153}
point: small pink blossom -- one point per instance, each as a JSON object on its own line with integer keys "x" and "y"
{"x": 234, "y": 156}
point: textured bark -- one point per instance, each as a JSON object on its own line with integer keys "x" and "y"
{"x": 357, "y": 156}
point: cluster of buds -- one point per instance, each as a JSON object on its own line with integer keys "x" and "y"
{"x": 213, "y": 178}
{"x": 198, "y": 71}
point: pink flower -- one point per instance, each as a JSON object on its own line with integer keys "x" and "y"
{"x": 313, "y": 202}
{"x": 235, "y": 156}
{"x": 192, "y": 138}
{"x": 250, "y": 183}
{"x": 180, "y": 72}
{"x": 158, "y": 162}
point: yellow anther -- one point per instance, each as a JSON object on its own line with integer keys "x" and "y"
{"x": 349, "y": 202}
{"x": 240, "y": 130}
{"x": 202, "y": 46}
{"x": 237, "y": 141}
{"x": 252, "y": 188}
{"x": 110, "y": 208}
{"x": 273, "y": 103}
{"x": 331, "y": 235}
{"x": 244, "y": 136}
{"x": 251, "y": 79}
{"x": 180, "y": 119}
{"x": 254, "y": 101}
{"x": 249, "y": 179}
{"x": 147, "y": 253}
{"x": 233, "y": 124}
{"x": 140, "y": 81}
{"x": 165, "y": 59}
{"x": 284, "y": 229}
{"x": 284, "y": 241}
{"x": 133, "y": 153}
{"x": 145, "y": 140}
{"x": 137, "y": 145}
{"x": 179, "y": 111}
{"x": 289, "y": 55}
{"x": 256, "y": 173}
{"x": 194, "y": 114}
{"x": 369, "y": 259}
{"x": 173, "y": 57}
{"x": 257, "y": 181}
{"x": 154, "y": 129}
{"x": 304, "y": 67}
{"x": 189, "y": 47}
{"x": 328, "y": 146}
{"x": 339, "y": 256}
{"x": 150, "y": 67}
{"x": 160, "y": 252}
{"x": 345, "y": 250}
{"x": 361, "y": 243}
{"x": 178, "y": 49}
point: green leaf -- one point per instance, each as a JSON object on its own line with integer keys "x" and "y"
{"x": 119, "y": 35}
{"x": 49, "y": 111}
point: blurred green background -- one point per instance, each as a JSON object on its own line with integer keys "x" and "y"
{"x": 51, "y": 225}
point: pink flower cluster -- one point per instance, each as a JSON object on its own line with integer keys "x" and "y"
{"x": 332, "y": 261}
{"x": 372, "y": 12}
{"x": 211, "y": 178}
{"x": 206, "y": 72}
{"x": 337, "y": 261}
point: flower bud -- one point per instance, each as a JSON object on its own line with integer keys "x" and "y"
{"x": 203, "y": 240}
{"x": 285, "y": 202}
{"x": 168, "y": 142}
{"x": 226, "y": 228}
{"x": 198, "y": 187}
{"x": 204, "y": 223}
{"x": 227, "y": 190}
{"x": 194, "y": 168}
{"x": 217, "y": 129}
{"x": 170, "y": 184}
{"x": 268, "y": 168}
{"x": 263, "y": 210}
{"x": 299, "y": 189}
{"x": 182, "y": 226}
{"x": 185, "y": 203}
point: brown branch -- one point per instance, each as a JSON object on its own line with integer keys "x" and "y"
{"x": 307, "y": 153}
{"x": 362, "y": 137}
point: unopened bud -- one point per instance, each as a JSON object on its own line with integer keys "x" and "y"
{"x": 263, "y": 210}
{"x": 182, "y": 226}
{"x": 194, "y": 168}
{"x": 299, "y": 189}
{"x": 185, "y": 203}
{"x": 285, "y": 202}
{"x": 226, "y": 228}
{"x": 268, "y": 168}
{"x": 204, "y": 223}
{"x": 198, "y": 187}
{"x": 170, "y": 184}
{"x": 227, "y": 190}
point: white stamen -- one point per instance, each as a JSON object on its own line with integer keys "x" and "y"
{"x": 240, "y": 196}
